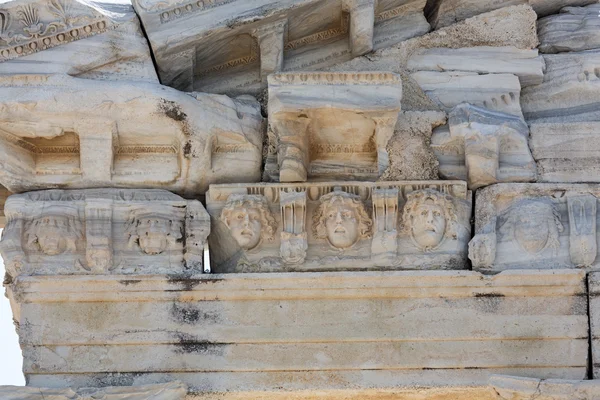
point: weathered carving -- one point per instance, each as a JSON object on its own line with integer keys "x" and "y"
{"x": 331, "y": 125}
{"x": 573, "y": 29}
{"x": 57, "y": 132}
{"x": 535, "y": 226}
{"x": 102, "y": 231}
{"x": 338, "y": 226}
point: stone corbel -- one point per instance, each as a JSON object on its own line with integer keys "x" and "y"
{"x": 384, "y": 130}
{"x": 362, "y": 21}
{"x": 98, "y": 232}
{"x": 294, "y": 239}
{"x": 292, "y": 149}
{"x": 11, "y": 246}
{"x": 97, "y": 139}
{"x": 385, "y": 220}
{"x": 197, "y": 228}
{"x": 271, "y": 41}
{"x": 582, "y": 232}
{"x": 482, "y": 158}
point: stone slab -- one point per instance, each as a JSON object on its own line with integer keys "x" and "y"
{"x": 594, "y": 294}
{"x": 573, "y": 29}
{"x": 101, "y": 41}
{"x": 362, "y": 330}
{"x": 535, "y": 225}
{"x": 71, "y": 133}
{"x": 518, "y": 388}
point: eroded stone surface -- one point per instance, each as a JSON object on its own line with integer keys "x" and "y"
{"x": 103, "y": 231}
{"x": 594, "y": 311}
{"x": 339, "y": 226}
{"x": 535, "y": 226}
{"x": 165, "y": 391}
{"x": 483, "y": 147}
{"x": 230, "y": 47}
{"x": 64, "y": 132}
{"x": 519, "y": 388}
{"x": 331, "y": 126}
{"x": 574, "y": 29}
{"x": 447, "y": 12}
{"x": 95, "y": 41}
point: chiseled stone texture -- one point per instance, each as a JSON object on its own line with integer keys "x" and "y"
{"x": 520, "y": 388}
{"x": 529, "y": 225}
{"x": 99, "y": 41}
{"x": 337, "y": 226}
{"x": 331, "y": 125}
{"x": 163, "y": 391}
{"x": 574, "y": 29}
{"x": 483, "y": 147}
{"x": 229, "y": 46}
{"x": 103, "y": 231}
{"x": 570, "y": 91}
{"x": 302, "y": 332}
{"x": 65, "y": 132}
{"x": 447, "y": 12}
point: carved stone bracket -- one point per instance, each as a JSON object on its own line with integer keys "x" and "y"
{"x": 385, "y": 220}
{"x": 271, "y": 39}
{"x": 294, "y": 239}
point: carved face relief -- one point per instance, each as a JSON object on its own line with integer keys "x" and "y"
{"x": 54, "y": 234}
{"x": 153, "y": 234}
{"x": 341, "y": 223}
{"x": 154, "y": 230}
{"x": 428, "y": 225}
{"x": 249, "y": 220}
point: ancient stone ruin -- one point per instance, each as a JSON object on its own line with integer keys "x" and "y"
{"x": 302, "y": 199}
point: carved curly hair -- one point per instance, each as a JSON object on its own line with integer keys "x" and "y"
{"x": 419, "y": 197}
{"x": 269, "y": 225}
{"x": 329, "y": 200}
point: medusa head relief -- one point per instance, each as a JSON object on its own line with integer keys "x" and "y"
{"x": 429, "y": 218}
{"x": 249, "y": 220}
{"x": 342, "y": 219}
{"x": 155, "y": 229}
{"x": 55, "y": 231}
{"x": 533, "y": 225}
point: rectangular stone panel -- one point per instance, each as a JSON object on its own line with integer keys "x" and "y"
{"x": 334, "y": 226}
{"x": 258, "y": 333}
{"x": 535, "y": 225}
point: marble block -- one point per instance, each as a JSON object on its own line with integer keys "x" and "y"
{"x": 71, "y": 133}
{"x": 103, "y": 231}
{"x": 287, "y": 336}
{"x": 594, "y": 312}
{"x": 483, "y": 147}
{"x": 101, "y": 41}
{"x": 229, "y": 46}
{"x": 163, "y": 391}
{"x": 523, "y": 388}
{"x": 339, "y": 226}
{"x": 446, "y": 12}
{"x": 524, "y": 63}
{"x": 574, "y": 29}
{"x": 543, "y": 225}
{"x": 570, "y": 91}
{"x": 331, "y": 125}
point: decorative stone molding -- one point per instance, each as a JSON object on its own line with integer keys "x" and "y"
{"x": 103, "y": 231}
{"x": 483, "y": 147}
{"x": 535, "y": 226}
{"x": 163, "y": 391}
{"x": 339, "y": 226}
{"x": 331, "y": 125}
{"x": 63, "y": 132}
{"x": 231, "y": 46}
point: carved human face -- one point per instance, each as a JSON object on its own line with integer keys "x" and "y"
{"x": 428, "y": 225}
{"x": 153, "y": 233}
{"x": 245, "y": 226}
{"x": 341, "y": 222}
{"x": 51, "y": 233}
{"x": 532, "y": 232}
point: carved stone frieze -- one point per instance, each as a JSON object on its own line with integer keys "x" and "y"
{"x": 63, "y": 132}
{"x": 521, "y": 226}
{"x": 331, "y": 125}
{"x": 231, "y": 46}
{"x": 339, "y": 226}
{"x": 103, "y": 231}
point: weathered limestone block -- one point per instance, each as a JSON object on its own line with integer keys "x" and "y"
{"x": 566, "y": 151}
{"x": 546, "y": 226}
{"x": 331, "y": 125}
{"x": 496, "y": 92}
{"x": 99, "y": 41}
{"x": 519, "y": 388}
{"x": 570, "y": 91}
{"x": 103, "y": 231}
{"x": 594, "y": 307}
{"x": 483, "y": 147}
{"x": 339, "y": 226}
{"x": 574, "y": 29}
{"x": 447, "y": 12}
{"x": 64, "y": 132}
{"x": 4, "y": 193}
{"x": 228, "y": 46}
{"x": 524, "y": 63}
{"x": 283, "y": 336}
{"x": 164, "y": 391}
